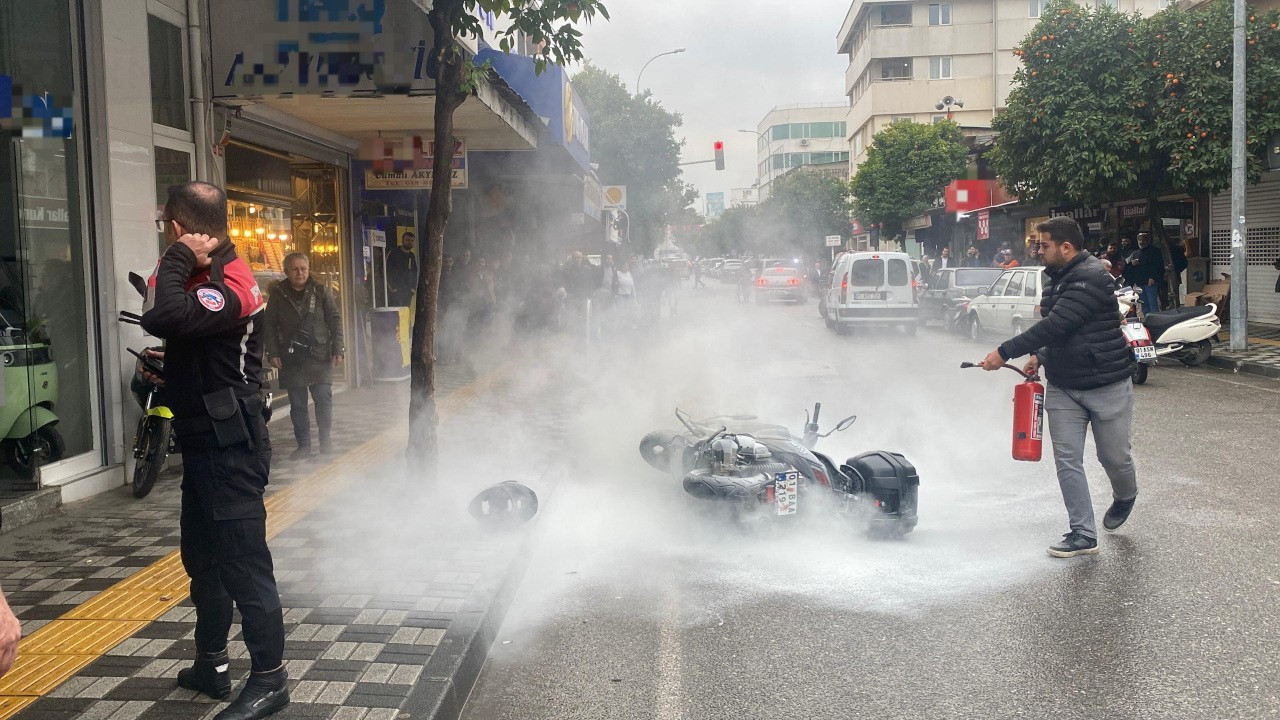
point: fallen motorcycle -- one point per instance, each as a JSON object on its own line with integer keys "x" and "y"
{"x": 761, "y": 472}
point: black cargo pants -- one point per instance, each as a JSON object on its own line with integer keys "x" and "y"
{"x": 224, "y": 548}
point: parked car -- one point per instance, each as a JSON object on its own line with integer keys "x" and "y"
{"x": 947, "y": 289}
{"x": 872, "y": 288}
{"x": 729, "y": 271}
{"x": 780, "y": 283}
{"x": 1009, "y": 306}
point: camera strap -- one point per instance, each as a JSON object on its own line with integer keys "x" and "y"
{"x": 309, "y": 300}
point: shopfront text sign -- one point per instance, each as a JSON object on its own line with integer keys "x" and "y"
{"x": 406, "y": 163}
{"x": 31, "y": 115}
{"x": 339, "y": 47}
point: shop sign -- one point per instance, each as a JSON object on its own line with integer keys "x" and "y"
{"x": 406, "y": 163}
{"x": 273, "y": 49}
{"x": 1129, "y": 212}
{"x": 44, "y": 213}
{"x": 592, "y": 198}
{"x": 37, "y": 115}
{"x": 1085, "y": 214}
{"x": 1176, "y": 210}
{"x": 551, "y": 96}
{"x": 918, "y": 222}
{"x": 984, "y": 225}
{"x": 833, "y": 241}
{"x": 615, "y": 197}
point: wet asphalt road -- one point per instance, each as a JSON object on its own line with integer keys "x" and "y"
{"x": 638, "y": 606}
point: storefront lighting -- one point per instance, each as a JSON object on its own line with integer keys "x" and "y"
{"x": 260, "y": 230}
{"x": 284, "y": 236}
{"x": 252, "y": 209}
{"x": 271, "y": 236}
{"x": 235, "y": 232}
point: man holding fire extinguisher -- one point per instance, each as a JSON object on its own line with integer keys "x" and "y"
{"x": 1088, "y": 365}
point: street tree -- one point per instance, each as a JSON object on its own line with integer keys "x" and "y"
{"x": 809, "y": 206}
{"x": 1078, "y": 123}
{"x": 907, "y": 168}
{"x": 633, "y": 139}
{"x": 549, "y": 24}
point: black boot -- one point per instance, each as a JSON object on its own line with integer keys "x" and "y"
{"x": 210, "y": 675}
{"x": 264, "y": 694}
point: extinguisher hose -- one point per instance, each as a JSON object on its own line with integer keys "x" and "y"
{"x": 966, "y": 365}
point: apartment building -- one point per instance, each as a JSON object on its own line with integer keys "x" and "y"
{"x": 906, "y": 57}
{"x": 791, "y": 136}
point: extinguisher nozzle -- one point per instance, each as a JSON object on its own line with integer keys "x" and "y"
{"x": 967, "y": 365}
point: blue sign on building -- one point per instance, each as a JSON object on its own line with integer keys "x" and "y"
{"x": 551, "y": 96}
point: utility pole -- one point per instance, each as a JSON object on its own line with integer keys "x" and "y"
{"x": 1239, "y": 266}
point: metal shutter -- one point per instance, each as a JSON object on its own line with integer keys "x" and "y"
{"x": 1263, "y": 215}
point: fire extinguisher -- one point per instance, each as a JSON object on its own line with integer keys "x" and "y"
{"x": 1028, "y": 416}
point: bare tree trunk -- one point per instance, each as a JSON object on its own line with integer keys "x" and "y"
{"x": 423, "y": 450}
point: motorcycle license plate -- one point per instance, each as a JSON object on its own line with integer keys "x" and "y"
{"x": 1144, "y": 352}
{"x": 866, "y": 296}
{"x": 784, "y": 492}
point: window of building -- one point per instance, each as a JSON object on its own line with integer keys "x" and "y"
{"x": 778, "y": 162}
{"x": 940, "y": 68}
{"x": 173, "y": 167}
{"x": 799, "y": 130}
{"x": 895, "y": 14}
{"x": 1035, "y": 7}
{"x": 857, "y": 144}
{"x": 168, "y": 74}
{"x": 842, "y": 157}
{"x": 905, "y": 118}
{"x": 895, "y": 69}
{"x": 780, "y": 132}
{"x": 940, "y": 14}
{"x": 822, "y": 130}
{"x": 842, "y": 129}
{"x": 822, "y": 157}
{"x": 937, "y": 118}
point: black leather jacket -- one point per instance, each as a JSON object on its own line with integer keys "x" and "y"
{"x": 1079, "y": 338}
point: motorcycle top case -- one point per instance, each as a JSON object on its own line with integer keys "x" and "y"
{"x": 888, "y": 477}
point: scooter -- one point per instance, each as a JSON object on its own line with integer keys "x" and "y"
{"x": 30, "y": 389}
{"x": 1184, "y": 334}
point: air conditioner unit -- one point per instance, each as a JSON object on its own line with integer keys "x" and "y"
{"x": 804, "y": 142}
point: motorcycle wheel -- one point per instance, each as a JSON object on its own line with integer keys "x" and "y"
{"x": 1198, "y": 355}
{"x": 1139, "y": 373}
{"x": 27, "y": 454}
{"x": 154, "y": 437}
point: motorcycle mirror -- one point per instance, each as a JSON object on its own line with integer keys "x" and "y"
{"x": 138, "y": 283}
{"x": 847, "y": 423}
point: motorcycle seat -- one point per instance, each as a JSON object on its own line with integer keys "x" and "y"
{"x": 1158, "y": 322}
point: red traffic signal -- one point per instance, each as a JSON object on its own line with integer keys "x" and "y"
{"x": 719, "y": 148}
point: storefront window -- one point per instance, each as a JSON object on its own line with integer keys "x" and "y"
{"x": 47, "y": 403}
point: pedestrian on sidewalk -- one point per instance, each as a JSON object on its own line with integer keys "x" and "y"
{"x": 206, "y": 305}
{"x": 1087, "y": 362}
{"x": 402, "y": 272}
{"x": 1149, "y": 273}
{"x": 697, "y": 275}
{"x": 304, "y": 342}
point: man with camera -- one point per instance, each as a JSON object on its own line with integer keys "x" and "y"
{"x": 205, "y": 304}
{"x": 304, "y": 342}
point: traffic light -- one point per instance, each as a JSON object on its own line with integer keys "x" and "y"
{"x": 719, "y": 146}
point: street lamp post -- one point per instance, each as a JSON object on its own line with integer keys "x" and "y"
{"x": 768, "y": 146}
{"x": 677, "y": 51}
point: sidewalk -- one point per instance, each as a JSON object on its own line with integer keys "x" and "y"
{"x": 392, "y": 597}
{"x": 1262, "y": 357}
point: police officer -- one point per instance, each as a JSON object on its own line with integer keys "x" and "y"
{"x": 207, "y": 306}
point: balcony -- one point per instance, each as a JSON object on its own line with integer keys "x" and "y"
{"x": 885, "y": 41}
{"x": 917, "y": 96}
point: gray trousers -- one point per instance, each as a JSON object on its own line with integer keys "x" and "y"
{"x": 1109, "y": 410}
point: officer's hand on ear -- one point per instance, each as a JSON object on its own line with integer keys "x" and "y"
{"x": 201, "y": 245}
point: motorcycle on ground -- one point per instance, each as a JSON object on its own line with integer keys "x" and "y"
{"x": 1184, "y": 334}
{"x": 153, "y": 440}
{"x": 762, "y": 473}
{"x": 29, "y": 437}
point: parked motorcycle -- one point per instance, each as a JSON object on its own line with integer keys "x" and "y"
{"x": 1184, "y": 334}
{"x": 153, "y": 440}
{"x": 28, "y": 436}
{"x": 761, "y": 472}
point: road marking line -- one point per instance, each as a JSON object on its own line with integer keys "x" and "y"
{"x": 53, "y": 654}
{"x": 670, "y": 666}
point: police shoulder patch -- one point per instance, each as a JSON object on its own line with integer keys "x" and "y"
{"x": 211, "y": 299}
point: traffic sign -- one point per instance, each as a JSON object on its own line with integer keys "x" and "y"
{"x": 834, "y": 241}
{"x": 615, "y": 197}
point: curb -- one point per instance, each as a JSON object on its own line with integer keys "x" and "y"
{"x": 37, "y": 505}
{"x": 455, "y": 667}
{"x": 1244, "y": 366}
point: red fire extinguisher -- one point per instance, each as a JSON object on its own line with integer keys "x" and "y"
{"x": 1028, "y": 416}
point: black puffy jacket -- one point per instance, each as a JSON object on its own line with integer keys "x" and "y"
{"x": 1079, "y": 338}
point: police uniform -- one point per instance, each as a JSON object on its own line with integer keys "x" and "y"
{"x": 211, "y": 321}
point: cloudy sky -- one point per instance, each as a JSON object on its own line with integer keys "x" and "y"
{"x": 743, "y": 57}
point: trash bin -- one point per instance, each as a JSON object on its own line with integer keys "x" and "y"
{"x": 392, "y": 333}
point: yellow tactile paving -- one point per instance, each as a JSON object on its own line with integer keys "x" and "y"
{"x": 79, "y": 637}
{"x": 113, "y": 604}
{"x": 56, "y": 652}
{"x": 38, "y": 674}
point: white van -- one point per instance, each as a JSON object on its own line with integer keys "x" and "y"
{"x": 872, "y": 288}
